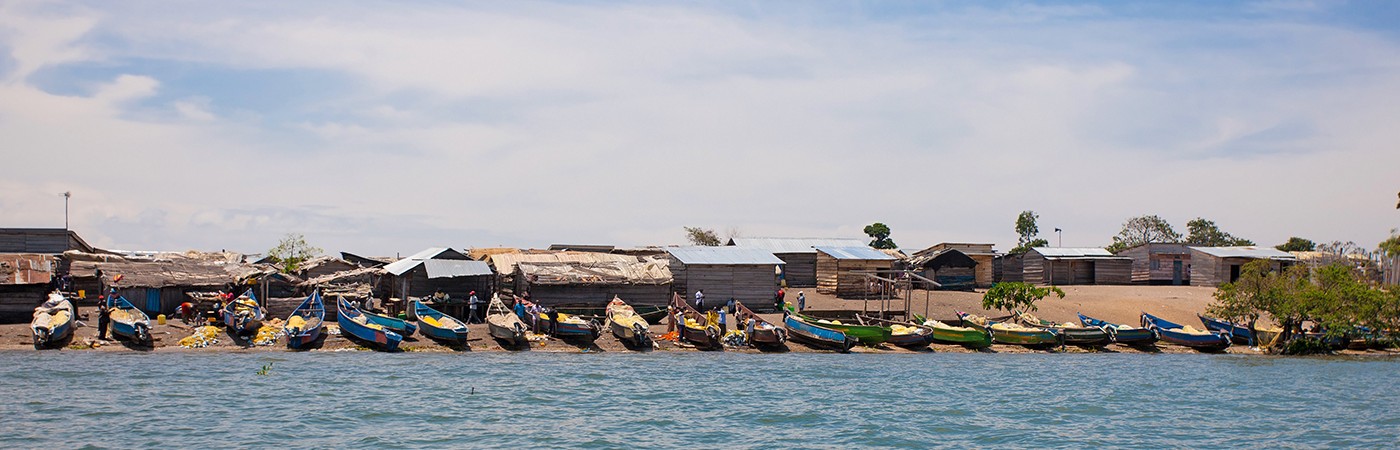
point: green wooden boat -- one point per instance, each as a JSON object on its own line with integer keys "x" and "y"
{"x": 1073, "y": 334}
{"x": 944, "y": 333}
{"x": 866, "y": 334}
{"x": 1004, "y": 332}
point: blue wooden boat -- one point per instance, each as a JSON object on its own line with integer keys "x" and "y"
{"x": 1122, "y": 334}
{"x": 801, "y": 330}
{"x": 128, "y": 322}
{"x": 570, "y": 327}
{"x": 1240, "y": 333}
{"x": 404, "y": 328}
{"x": 243, "y": 315}
{"x": 354, "y": 324}
{"x": 1202, "y": 340}
{"x": 53, "y": 322}
{"x": 306, "y": 323}
{"x": 439, "y": 326}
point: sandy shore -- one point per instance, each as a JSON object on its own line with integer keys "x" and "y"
{"x": 1121, "y": 304}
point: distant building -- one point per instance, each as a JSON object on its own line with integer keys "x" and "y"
{"x": 748, "y": 275}
{"x": 1066, "y": 266}
{"x": 595, "y": 283}
{"x": 1214, "y": 266}
{"x": 839, "y": 270}
{"x": 25, "y": 280}
{"x": 439, "y": 270}
{"x": 48, "y": 241}
{"x": 799, "y": 255}
{"x": 939, "y": 260}
{"x": 1160, "y": 263}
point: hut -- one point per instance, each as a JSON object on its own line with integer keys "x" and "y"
{"x": 47, "y": 241}
{"x": 595, "y": 283}
{"x": 440, "y": 270}
{"x": 798, "y": 254}
{"x": 325, "y": 265}
{"x": 505, "y": 263}
{"x": 1213, "y": 266}
{"x": 1067, "y": 266}
{"x": 1009, "y": 268}
{"x": 839, "y": 270}
{"x": 748, "y": 275}
{"x": 155, "y": 286}
{"x": 25, "y": 280}
{"x": 983, "y": 255}
{"x": 365, "y": 261}
{"x": 951, "y": 268}
{"x": 1160, "y": 263}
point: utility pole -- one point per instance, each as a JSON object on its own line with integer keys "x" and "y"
{"x": 1061, "y": 235}
{"x": 66, "y": 195}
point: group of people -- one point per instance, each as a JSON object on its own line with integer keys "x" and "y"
{"x": 476, "y": 307}
{"x": 778, "y": 300}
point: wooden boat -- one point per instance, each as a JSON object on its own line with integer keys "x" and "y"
{"x": 1122, "y": 334}
{"x": 1003, "y": 331}
{"x": 243, "y": 315}
{"x": 628, "y": 326}
{"x": 402, "y": 327}
{"x": 904, "y": 334}
{"x": 129, "y": 322}
{"x": 1202, "y": 340}
{"x": 1240, "y": 333}
{"x": 438, "y": 326}
{"x": 866, "y": 334}
{"x": 649, "y": 313}
{"x": 800, "y": 330}
{"x": 761, "y": 333}
{"x": 53, "y": 321}
{"x": 306, "y": 323}
{"x": 506, "y": 327}
{"x": 692, "y": 327}
{"x": 944, "y": 333}
{"x": 1073, "y": 334}
{"x": 354, "y": 324}
{"x": 570, "y": 327}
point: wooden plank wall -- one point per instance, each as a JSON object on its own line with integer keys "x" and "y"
{"x": 1205, "y": 269}
{"x": 419, "y": 285}
{"x": 17, "y": 301}
{"x": 983, "y": 273}
{"x": 1113, "y": 271}
{"x": 599, "y": 295}
{"x": 1034, "y": 269}
{"x": 751, "y": 284}
{"x": 835, "y": 276}
{"x": 800, "y": 270}
{"x": 29, "y": 242}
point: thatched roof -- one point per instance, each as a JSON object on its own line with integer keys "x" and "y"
{"x": 155, "y": 274}
{"x": 506, "y": 262}
{"x": 651, "y": 272}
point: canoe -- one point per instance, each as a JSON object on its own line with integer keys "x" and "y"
{"x": 128, "y": 321}
{"x": 402, "y": 327}
{"x": 628, "y": 326}
{"x": 1080, "y": 335}
{"x": 761, "y": 333}
{"x": 570, "y": 327}
{"x": 816, "y": 335}
{"x": 52, "y": 325}
{"x": 306, "y": 323}
{"x": 506, "y": 327}
{"x": 243, "y": 316}
{"x": 1005, "y": 332}
{"x": 650, "y": 313}
{"x": 866, "y": 334}
{"x": 1173, "y": 333}
{"x": 1122, "y": 334}
{"x": 354, "y": 324}
{"x": 1240, "y": 333}
{"x": 944, "y": 333}
{"x": 692, "y": 327}
{"x": 438, "y": 326}
{"x": 904, "y": 334}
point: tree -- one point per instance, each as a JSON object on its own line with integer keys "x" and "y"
{"x": 1016, "y": 296}
{"x": 702, "y": 236}
{"x": 1297, "y": 244}
{"x": 880, "y": 236}
{"x": 1390, "y": 247}
{"x": 1204, "y": 233}
{"x": 1144, "y": 230}
{"x": 291, "y": 251}
{"x": 1026, "y": 232}
{"x": 1261, "y": 291}
{"x": 1340, "y": 248}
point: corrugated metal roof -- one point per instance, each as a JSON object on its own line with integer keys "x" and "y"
{"x": 449, "y": 268}
{"x": 794, "y": 245}
{"x": 856, "y": 252}
{"x": 723, "y": 255}
{"x": 1246, "y": 252}
{"x": 402, "y": 266}
{"x": 1072, "y": 252}
{"x": 506, "y": 262}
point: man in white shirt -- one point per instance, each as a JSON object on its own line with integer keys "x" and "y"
{"x": 700, "y": 299}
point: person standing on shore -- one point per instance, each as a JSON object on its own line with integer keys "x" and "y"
{"x": 102, "y": 318}
{"x": 730, "y": 305}
{"x": 472, "y": 303}
{"x": 801, "y": 301}
{"x": 778, "y": 299}
{"x": 700, "y": 299}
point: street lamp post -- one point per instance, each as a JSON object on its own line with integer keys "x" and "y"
{"x": 66, "y": 195}
{"x": 1060, "y": 235}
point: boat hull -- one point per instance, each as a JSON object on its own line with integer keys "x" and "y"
{"x": 801, "y": 331}
{"x": 52, "y": 334}
{"x": 1209, "y": 342}
{"x": 1239, "y": 334}
{"x": 137, "y": 330}
{"x": 313, "y": 310}
{"x": 456, "y": 335}
{"x": 974, "y": 337}
{"x": 399, "y": 326}
{"x": 629, "y": 335}
{"x": 1122, "y": 334}
{"x": 383, "y": 340}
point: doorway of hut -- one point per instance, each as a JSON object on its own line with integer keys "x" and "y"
{"x": 1234, "y": 273}
{"x": 1176, "y": 273}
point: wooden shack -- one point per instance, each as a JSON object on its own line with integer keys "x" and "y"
{"x": 839, "y": 270}
{"x": 440, "y": 270}
{"x": 1009, "y": 268}
{"x": 983, "y": 272}
{"x": 157, "y": 286}
{"x": 595, "y": 283}
{"x": 745, "y": 274}
{"x": 1068, "y": 266}
{"x": 950, "y": 268}
{"x": 505, "y": 263}
{"x": 1160, "y": 263}
{"x": 47, "y": 241}
{"x": 25, "y": 280}
{"x": 1213, "y": 266}
{"x": 325, "y": 265}
{"x": 799, "y": 255}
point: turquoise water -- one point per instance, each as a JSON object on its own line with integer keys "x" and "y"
{"x": 537, "y": 400}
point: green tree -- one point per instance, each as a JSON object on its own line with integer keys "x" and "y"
{"x": 1390, "y": 247}
{"x": 1297, "y": 244}
{"x": 1016, "y": 297}
{"x": 1026, "y": 232}
{"x": 1204, "y": 233}
{"x": 291, "y": 251}
{"x": 1261, "y": 292}
{"x": 1144, "y": 230}
{"x": 702, "y": 236}
{"x": 880, "y": 236}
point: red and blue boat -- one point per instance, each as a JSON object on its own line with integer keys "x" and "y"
{"x": 438, "y": 326}
{"x": 307, "y": 323}
{"x": 355, "y": 325}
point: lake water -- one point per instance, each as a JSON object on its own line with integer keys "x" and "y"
{"x": 612, "y": 400}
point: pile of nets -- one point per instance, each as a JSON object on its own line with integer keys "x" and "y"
{"x": 735, "y": 338}
{"x": 901, "y": 330}
{"x": 270, "y": 332}
{"x": 203, "y": 337}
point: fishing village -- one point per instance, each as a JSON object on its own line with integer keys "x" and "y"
{"x": 744, "y": 295}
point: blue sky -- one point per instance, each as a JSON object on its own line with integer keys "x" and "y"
{"x": 389, "y": 127}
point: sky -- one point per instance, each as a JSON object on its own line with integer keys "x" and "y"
{"x": 387, "y": 127}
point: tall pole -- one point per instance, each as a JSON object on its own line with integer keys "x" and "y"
{"x": 1061, "y": 236}
{"x": 66, "y": 196}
